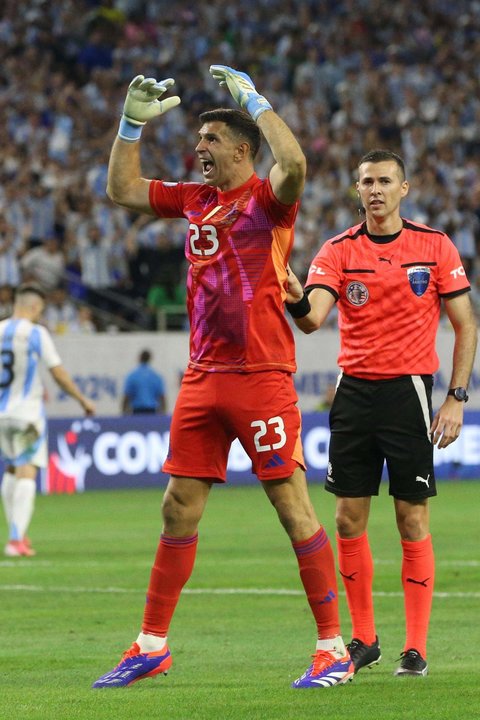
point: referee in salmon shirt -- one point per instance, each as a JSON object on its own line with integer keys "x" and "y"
{"x": 389, "y": 277}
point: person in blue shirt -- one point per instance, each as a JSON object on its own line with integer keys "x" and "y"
{"x": 144, "y": 390}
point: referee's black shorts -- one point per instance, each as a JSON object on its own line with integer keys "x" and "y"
{"x": 377, "y": 421}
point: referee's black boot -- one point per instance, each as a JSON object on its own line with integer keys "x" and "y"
{"x": 364, "y": 655}
{"x": 411, "y": 663}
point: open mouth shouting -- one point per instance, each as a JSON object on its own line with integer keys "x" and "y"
{"x": 207, "y": 167}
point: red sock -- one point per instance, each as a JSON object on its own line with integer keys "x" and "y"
{"x": 418, "y": 575}
{"x": 356, "y": 568}
{"x": 172, "y": 568}
{"x": 317, "y": 571}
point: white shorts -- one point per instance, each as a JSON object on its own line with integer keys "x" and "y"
{"x": 23, "y": 442}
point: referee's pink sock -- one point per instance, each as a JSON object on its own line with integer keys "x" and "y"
{"x": 418, "y": 576}
{"x": 317, "y": 571}
{"x": 172, "y": 568}
{"x": 355, "y": 563}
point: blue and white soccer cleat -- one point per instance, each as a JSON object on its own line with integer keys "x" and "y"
{"x": 135, "y": 666}
{"x": 326, "y": 670}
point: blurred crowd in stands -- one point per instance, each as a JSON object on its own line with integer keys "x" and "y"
{"x": 347, "y": 76}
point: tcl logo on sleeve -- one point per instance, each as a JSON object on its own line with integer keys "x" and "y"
{"x": 460, "y": 271}
{"x": 315, "y": 270}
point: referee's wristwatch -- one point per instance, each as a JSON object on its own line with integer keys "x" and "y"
{"x": 459, "y": 393}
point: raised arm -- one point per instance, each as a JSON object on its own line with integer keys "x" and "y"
{"x": 287, "y": 176}
{"x": 126, "y": 186}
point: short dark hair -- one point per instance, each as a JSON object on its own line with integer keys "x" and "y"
{"x": 145, "y": 356}
{"x": 376, "y": 156}
{"x": 239, "y": 122}
{"x": 26, "y": 288}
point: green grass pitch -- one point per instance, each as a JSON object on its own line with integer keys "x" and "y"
{"x": 242, "y": 631}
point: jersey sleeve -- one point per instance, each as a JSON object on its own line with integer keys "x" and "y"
{"x": 167, "y": 199}
{"x": 48, "y": 351}
{"x": 281, "y": 215}
{"x": 452, "y": 278}
{"x": 325, "y": 270}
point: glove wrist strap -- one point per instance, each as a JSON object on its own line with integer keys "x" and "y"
{"x": 129, "y": 131}
{"x": 256, "y": 105}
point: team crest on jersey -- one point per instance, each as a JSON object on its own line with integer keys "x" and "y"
{"x": 357, "y": 293}
{"x": 418, "y": 277}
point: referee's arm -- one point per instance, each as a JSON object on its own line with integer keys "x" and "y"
{"x": 460, "y": 313}
{"x": 447, "y": 422}
{"x": 308, "y": 311}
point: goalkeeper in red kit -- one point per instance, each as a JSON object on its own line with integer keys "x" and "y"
{"x": 239, "y": 381}
{"x": 389, "y": 277}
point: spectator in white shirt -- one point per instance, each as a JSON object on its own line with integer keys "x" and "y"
{"x": 44, "y": 264}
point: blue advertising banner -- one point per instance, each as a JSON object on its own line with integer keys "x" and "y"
{"x": 121, "y": 452}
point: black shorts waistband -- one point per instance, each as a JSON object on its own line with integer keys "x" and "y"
{"x": 366, "y": 381}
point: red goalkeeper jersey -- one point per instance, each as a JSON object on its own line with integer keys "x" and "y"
{"x": 238, "y": 244}
{"x": 388, "y": 290}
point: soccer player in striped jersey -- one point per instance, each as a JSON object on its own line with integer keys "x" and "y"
{"x": 24, "y": 347}
{"x": 239, "y": 379}
{"x": 389, "y": 277}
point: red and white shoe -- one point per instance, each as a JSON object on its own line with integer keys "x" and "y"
{"x": 28, "y": 544}
{"x": 19, "y": 548}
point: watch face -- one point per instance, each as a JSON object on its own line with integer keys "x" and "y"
{"x": 460, "y": 393}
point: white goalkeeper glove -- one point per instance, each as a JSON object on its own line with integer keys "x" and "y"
{"x": 142, "y": 103}
{"x": 242, "y": 89}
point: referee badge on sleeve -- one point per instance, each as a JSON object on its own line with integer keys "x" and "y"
{"x": 418, "y": 277}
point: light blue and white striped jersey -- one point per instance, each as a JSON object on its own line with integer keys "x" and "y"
{"x": 24, "y": 347}
{"x": 9, "y": 267}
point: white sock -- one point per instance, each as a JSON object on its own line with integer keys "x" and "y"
{"x": 151, "y": 643}
{"x": 334, "y": 644}
{"x": 7, "y": 489}
{"x": 23, "y": 505}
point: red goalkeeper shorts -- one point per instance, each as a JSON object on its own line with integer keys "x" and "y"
{"x": 212, "y": 409}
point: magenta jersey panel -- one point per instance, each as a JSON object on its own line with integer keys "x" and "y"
{"x": 237, "y": 245}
